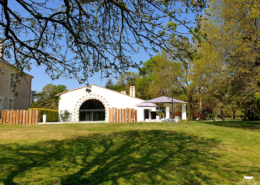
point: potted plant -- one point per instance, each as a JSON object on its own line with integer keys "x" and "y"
{"x": 65, "y": 115}
{"x": 159, "y": 114}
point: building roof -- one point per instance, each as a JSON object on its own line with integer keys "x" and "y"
{"x": 96, "y": 86}
{"x": 144, "y": 104}
{"x": 164, "y": 99}
{"x": 3, "y": 61}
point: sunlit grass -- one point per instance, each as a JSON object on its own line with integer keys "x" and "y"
{"x": 134, "y": 153}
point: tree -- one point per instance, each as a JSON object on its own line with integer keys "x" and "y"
{"x": 146, "y": 78}
{"x": 47, "y": 97}
{"x": 170, "y": 76}
{"x": 109, "y": 83}
{"x": 233, "y": 29}
{"x": 33, "y": 96}
{"x": 49, "y": 91}
{"x": 82, "y": 37}
{"x": 125, "y": 81}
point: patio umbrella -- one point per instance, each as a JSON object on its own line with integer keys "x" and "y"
{"x": 164, "y": 99}
{"x": 145, "y": 104}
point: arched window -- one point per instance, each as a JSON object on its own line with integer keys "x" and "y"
{"x": 92, "y": 110}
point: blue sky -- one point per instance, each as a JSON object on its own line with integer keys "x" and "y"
{"x": 41, "y": 79}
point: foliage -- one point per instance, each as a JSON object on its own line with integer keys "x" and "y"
{"x": 159, "y": 113}
{"x": 124, "y": 82}
{"x": 236, "y": 23}
{"x": 65, "y": 115}
{"x": 47, "y": 97}
{"x": 51, "y": 115}
{"x": 228, "y": 69}
{"x": 78, "y": 38}
{"x": 109, "y": 84}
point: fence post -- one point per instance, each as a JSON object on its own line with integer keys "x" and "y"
{"x": 37, "y": 116}
{"x": 109, "y": 116}
{"x": 20, "y": 116}
{"x": 113, "y": 113}
{"x": 119, "y": 115}
{"x": 11, "y": 117}
{"x": 123, "y": 115}
{"x": 16, "y": 116}
{"x": 2, "y": 119}
{"x": 135, "y": 115}
{"x": 130, "y": 115}
{"x": 24, "y": 117}
{"x": 126, "y": 115}
{"x": 5, "y": 116}
{"x": 27, "y": 117}
{"x": 33, "y": 116}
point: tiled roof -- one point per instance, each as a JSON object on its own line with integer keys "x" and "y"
{"x": 9, "y": 64}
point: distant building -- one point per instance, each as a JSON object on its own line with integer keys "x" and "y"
{"x": 8, "y": 100}
{"x": 94, "y": 105}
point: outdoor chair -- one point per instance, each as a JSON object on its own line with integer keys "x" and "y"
{"x": 170, "y": 120}
{"x": 163, "y": 120}
{"x": 177, "y": 118}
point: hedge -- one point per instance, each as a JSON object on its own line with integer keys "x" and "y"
{"x": 52, "y": 115}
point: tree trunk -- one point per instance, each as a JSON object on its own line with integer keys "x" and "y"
{"x": 221, "y": 113}
{"x": 191, "y": 112}
{"x": 245, "y": 115}
{"x": 234, "y": 113}
{"x": 221, "y": 109}
{"x": 200, "y": 105}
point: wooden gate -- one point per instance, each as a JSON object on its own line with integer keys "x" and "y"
{"x": 19, "y": 116}
{"x": 122, "y": 115}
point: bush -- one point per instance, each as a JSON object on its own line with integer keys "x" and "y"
{"x": 52, "y": 115}
{"x": 65, "y": 115}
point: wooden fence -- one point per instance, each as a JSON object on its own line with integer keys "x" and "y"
{"x": 122, "y": 115}
{"x": 196, "y": 114}
{"x": 19, "y": 116}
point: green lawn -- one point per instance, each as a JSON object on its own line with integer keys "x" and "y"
{"x": 134, "y": 153}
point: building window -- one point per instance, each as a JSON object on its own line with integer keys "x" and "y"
{"x": 12, "y": 80}
{"x": 10, "y": 104}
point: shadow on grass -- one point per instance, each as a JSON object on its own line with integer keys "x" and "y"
{"x": 236, "y": 124}
{"x": 134, "y": 157}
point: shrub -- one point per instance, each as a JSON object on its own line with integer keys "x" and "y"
{"x": 65, "y": 115}
{"x": 52, "y": 115}
{"x": 159, "y": 114}
{"x": 183, "y": 121}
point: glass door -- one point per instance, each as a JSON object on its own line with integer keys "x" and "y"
{"x": 98, "y": 115}
{"x": 88, "y": 116}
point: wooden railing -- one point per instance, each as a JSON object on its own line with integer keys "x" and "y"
{"x": 19, "y": 116}
{"x": 122, "y": 115}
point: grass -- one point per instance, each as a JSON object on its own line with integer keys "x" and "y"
{"x": 136, "y": 153}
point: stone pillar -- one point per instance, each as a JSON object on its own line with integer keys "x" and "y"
{"x": 167, "y": 112}
{"x": 184, "y": 115}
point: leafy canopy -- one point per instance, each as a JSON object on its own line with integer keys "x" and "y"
{"x": 81, "y": 37}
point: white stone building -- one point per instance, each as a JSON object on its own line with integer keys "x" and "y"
{"x": 94, "y": 105}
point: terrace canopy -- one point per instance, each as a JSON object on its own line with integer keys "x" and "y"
{"x": 145, "y": 104}
{"x": 164, "y": 99}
